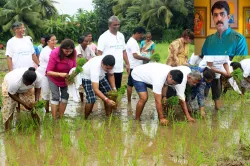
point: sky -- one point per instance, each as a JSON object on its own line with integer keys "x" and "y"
{"x": 71, "y": 6}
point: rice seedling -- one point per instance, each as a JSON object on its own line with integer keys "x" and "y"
{"x": 155, "y": 57}
{"x": 116, "y": 96}
{"x": 237, "y": 75}
{"x": 80, "y": 62}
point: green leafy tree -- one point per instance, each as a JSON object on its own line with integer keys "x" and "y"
{"x": 19, "y": 10}
{"x": 161, "y": 11}
{"x": 103, "y": 10}
{"x": 47, "y": 8}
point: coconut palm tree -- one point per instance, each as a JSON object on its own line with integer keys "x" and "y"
{"x": 47, "y": 8}
{"x": 19, "y": 10}
{"x": 157, "y": 11}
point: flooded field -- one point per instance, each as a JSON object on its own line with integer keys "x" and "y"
{"x": 223, "y": 138}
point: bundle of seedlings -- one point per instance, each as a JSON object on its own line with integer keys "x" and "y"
{"x": 155, "y": 57}
{"x": 170, "y": 102}
{"x": 116, "y": 96}
{"x": 37, "y": 107}
{"x": 237, "y": 75}
{"x": 71, "y": 78}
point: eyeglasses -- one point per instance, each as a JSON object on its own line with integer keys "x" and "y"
{"x": 23, "y": 28}
{"x": 222, "y": 14}
{"x": 54, "y": 41}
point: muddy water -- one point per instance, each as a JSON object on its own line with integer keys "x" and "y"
{"x": 223, "y": 138}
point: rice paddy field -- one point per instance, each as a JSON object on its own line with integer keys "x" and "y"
{"x": 221, "y": 139}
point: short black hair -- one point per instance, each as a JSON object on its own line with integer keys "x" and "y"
{"x": 81, "y": 39}
{"x": 235, "y": 65}
{"x": 177, "y": 76}
{"x": 221, "y": 5}
{"x": 209, "y": 74}
{"x": 29, "y": 76}
{"x": 139, "y": 30}
{"x": 109, "y": 60}
{"x": 46, "y": 39}
{"x": 16, "y": 24}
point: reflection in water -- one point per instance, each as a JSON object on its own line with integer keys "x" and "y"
{"x": 120, "y": 140}
{"x": 2, "y": 152}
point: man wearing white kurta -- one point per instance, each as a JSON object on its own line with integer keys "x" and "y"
{"x": 112, "y": 42}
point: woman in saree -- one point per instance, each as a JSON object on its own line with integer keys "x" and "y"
{"x": 147, "y": 46}
{"x": 178, "y": 50}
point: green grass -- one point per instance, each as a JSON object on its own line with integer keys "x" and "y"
{"x": 162, "y": 49}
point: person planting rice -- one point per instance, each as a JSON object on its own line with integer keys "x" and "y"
{"x": 219, "y": 64}
{"x": 244, "y": 65}
{"x": 199, "y": 89}
{"x": 157, "y": 77}
{"x": 62, "y": 60}
{"x": 190, "y": 79}
{"x": 95, "y": 83}
{"x": 17, "y": 87}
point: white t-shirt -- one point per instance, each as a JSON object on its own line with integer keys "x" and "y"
{"x": 44, "y": 59}
{"x": 218, "y": 62}
{"x": 93, "y": 71}
{"x": 114, "y": 45}
{"x": 131, "y": 48}
{"x": 20, "y": 50}
{"x": 194, "y": 60}
{"x": 15, "y": 83}
{"x": 154, "y": 74}
{"x": 245, "y": 64}
{"x": 88, "y": 53}
{"x": 180, "y": 88}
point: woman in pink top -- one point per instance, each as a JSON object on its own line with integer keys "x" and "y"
{"x": 62, "y": 60}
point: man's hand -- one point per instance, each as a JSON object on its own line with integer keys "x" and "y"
{"x": 164, "y": 122}
{"x": 190, "y": 119}
{"x": 111, "y": 102}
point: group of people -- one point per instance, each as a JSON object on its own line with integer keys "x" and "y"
{"x": 104, "y": 68}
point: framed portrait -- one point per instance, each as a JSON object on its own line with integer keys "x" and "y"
{"x": 246, "y": 21}
{"x": 233, "y": 20}
{"x": 200, "y": 21}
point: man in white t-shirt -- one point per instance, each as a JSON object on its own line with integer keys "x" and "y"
{"x": 134, "y": 57}
{"x": 112, "y": 42}
{"x": 217, "y": 63}
{"x": 19, "y": 50}
{"x": 95, "y": 83}
{"x": 244, "y": 65}
{"x": 83, "y": 49}
{"x": 157, "y": 77}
